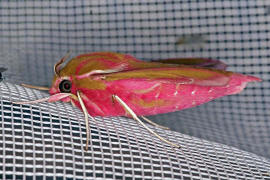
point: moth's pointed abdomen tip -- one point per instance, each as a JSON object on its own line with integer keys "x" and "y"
{"x": 249, "y": 78}
{"x": 253, "y": 79}
{"x": 246, "y": 78}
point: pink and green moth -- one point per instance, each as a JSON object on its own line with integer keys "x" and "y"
{"x": 114, "y": 84}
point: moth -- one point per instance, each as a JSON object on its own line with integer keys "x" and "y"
{"x": 114, "y": 84}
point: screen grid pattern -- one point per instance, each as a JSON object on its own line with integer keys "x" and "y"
{"x": 47, "y": 140}
{"x": 226, "y": 138}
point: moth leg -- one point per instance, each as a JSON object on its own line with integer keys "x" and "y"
{"x": 153, "y": 123}
{"x": 125, "y": 106}
{"x": 36, "y": 87}
{"x": 86, "y": 120}
{"x": 72, "y": 103}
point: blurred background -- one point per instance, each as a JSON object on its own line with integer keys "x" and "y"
{"x": 34, "y": 35}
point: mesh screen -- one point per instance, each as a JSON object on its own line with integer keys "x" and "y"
{"x": 226, "y": 138}
{"x": 49, "y": 139}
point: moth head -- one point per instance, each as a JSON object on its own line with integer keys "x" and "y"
{"x": 62, "y": 85}
{"x": 61, "y": 89}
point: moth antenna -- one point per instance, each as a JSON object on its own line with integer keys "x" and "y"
{"x": 86, "y": 119}
{"x": 118, "y": 99}
{"x": 32, "y": 102}
{"x": 154, "y": 124}
{"x": 36, "y": 87}
{"x": 58, "y": 64}
{"x": 53, "y": 98}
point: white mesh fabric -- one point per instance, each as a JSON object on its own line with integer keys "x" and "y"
{"x": 47, "y": 140}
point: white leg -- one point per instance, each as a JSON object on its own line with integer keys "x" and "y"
{"x": 125, "y": 106}
{"x": 153, "y": 123}
{"x": 86, "y": 120}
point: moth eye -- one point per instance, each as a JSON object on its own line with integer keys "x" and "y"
{"x": 65, "y": 86}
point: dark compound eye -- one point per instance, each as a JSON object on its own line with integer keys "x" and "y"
{"x": 65, "y": 86}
